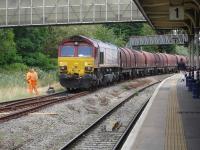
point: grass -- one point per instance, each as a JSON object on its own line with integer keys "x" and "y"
{"x": 13, "y": 85}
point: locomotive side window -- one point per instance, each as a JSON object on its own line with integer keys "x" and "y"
{"x": 84, "y": 51}
{"x": 101, "y": 58}
{"x": 67, "y": 51}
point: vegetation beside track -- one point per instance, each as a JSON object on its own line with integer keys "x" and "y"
{"x": 13, "y": 84}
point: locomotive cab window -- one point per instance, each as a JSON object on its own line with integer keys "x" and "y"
{"x": 101, "y": 61}
{"x": 67, "y": 51}
{"x": 84, "y": 51}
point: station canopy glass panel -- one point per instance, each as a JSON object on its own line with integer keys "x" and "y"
{"x": 44, "y": 12}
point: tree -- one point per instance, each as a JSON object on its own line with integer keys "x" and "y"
{"x": 145, "y": 31}
{"x": 125, "y": 30}
{"x": 107, "y": 35}
{"x": 181, "y": 50}
{"x": 30, "y": 44}
{"x": 8, "y": 53}
{"x": 30, "y": 39}
{"x": 58, "y": 33}
{"x": 100, "y": 32}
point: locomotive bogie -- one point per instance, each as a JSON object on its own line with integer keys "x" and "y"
{"x": 76, "y": 82}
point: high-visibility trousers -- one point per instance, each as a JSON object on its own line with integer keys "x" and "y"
{"x": 32, "y": 86}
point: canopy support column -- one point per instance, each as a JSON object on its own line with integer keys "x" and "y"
{"x": 197, "y": 48}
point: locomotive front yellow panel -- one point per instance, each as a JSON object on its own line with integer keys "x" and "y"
{"x": 76, "y": 65}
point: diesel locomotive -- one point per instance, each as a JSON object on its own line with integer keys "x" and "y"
{"x": 85, "y": 63}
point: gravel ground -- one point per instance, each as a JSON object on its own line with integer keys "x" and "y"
{"x": 101, "y": 139}
{"x": 52, "y": 127}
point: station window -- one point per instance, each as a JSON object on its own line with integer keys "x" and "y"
{"x": 84, "y": 51}
{"x": 67, "y": 51}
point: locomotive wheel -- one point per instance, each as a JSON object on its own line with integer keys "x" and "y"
{"x": 73, "y": 89}
{"x": 69, "y": 89}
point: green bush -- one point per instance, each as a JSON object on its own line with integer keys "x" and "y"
{"x": 29, "y": 39}
{"x": 54, "y": 62}
{"x": 8, "y": 53}
{"x": 40, "y": 60}
{"x": 17, "y": 67}
{"x": 181, "y": 50}
{"x": 13, "y": 68}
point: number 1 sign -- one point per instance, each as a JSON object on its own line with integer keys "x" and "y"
{"x": 176, "y": 13}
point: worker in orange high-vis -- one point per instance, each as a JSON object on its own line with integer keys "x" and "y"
{"x": 31, "y": 78}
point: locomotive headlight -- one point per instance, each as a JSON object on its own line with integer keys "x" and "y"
{"x": 75, "y": 43}
{"x": 88, "y": 68}
{"x": 63, "y": 68}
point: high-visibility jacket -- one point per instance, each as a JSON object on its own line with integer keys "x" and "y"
{"x": 32, "y": 77}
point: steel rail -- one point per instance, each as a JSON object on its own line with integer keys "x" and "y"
{"x": 15, "y": 106}
{"x": 20, "y": 113}
{"x": 72, "y": 141}
{"x": 9, "y": 103}
{"x": 126, "y": 133}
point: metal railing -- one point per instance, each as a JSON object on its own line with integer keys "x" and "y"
{"x": 158, "y": 40}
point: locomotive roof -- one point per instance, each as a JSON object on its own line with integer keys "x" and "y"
{"x": 95, "y": 42}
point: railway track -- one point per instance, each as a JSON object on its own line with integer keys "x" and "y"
{"x": 29, "y": 99}
{"x": 97, "y": 136}
{"x": 18, "y": 108}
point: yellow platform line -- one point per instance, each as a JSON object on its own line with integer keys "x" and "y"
{"x": 174, "y": 133}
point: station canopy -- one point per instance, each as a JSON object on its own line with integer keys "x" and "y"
{"x": 170, "y": 14}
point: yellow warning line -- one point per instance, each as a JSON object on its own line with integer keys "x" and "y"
{"x": 174, "y": 133}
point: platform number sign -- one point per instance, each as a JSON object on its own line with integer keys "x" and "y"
{"x": 176, "y": 13}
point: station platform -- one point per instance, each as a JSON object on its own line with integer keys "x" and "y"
{"x": 171, "y": 120}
